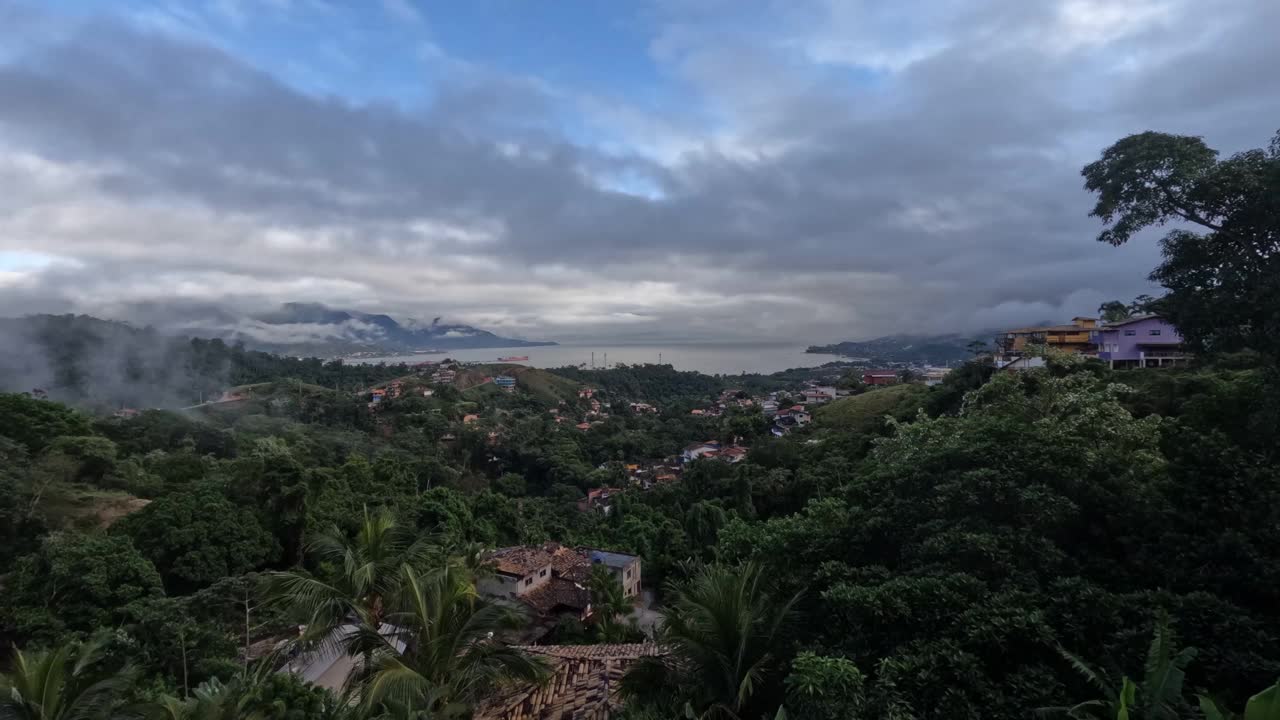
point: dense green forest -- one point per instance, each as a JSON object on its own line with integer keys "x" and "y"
{"x": 1069, "y": 540}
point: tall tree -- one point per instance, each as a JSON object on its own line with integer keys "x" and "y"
{"x": 446, "y": 653}
{"x": 362, "y": 575}
{"x": 1114, "y": 311}
{"x": 76, "y": 583}
{"x": 1224, "y": 277}
{"x": 198, "y": 536}
{"x": 724, "y": 633}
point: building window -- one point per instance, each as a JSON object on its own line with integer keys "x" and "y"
{"x": 1130, "y": 333}
{"x": 628, "y": 573}
{"x": 528, "y": 581}
{"x": 543, "y": 573}
{"x": 1153, "y": 332}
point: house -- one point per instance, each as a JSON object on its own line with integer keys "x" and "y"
{"x": 643, "y": 408}
{"x": 506, "y": 382}
{"x": 1145, "y": 341}
{"x": 880, "y": 377}
{"x": 524, "y": 574}
{"x": 700, "y": 449}
{"x": 817, "y": 396}
{"x": 769, "y": 408}
{"x": 734, "y": 454}
{"x": 585, "y": 684}
{"x": 517, "y": 571}
{"x": 1076, "y": 338}
{"x": 794, "y": 415}
{"x": 553, "y": 579}
{"x": 583, "y": 426}
{"x": 469, "y": 419}
{"x": 935, "y": 375}
{"x": 821, "y": 391}
{"x": 586, "y": 392}
{"x": 599, "y": 499}
{"x": 626, "y": 568}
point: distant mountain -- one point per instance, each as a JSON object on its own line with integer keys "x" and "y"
{"x": 915, "y": 349}
{"x": 312, "y": 328}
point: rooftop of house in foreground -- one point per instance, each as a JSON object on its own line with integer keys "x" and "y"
{"x": 584, "y": 684}
{"x": 519, "y": 560}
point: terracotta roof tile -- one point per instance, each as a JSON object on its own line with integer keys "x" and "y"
{"x": 568, "y": 563}
{"x": 583, "y": 685}
{"x": 557, "y": 593}
{"x": 520, "y": 560}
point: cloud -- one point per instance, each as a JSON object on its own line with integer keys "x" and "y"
{"x": 818, "y": 171}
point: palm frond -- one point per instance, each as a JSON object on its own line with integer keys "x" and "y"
{"x": 393, "y": 682}
{"x": 1095, "y": 677}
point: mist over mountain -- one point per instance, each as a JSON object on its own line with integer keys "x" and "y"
{"x": 317, "y": 329}
{"x": 106, "y": 364}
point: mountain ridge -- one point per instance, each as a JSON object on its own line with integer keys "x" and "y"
{"x": 317, "y": 328}
{"x": 907, "y": 348}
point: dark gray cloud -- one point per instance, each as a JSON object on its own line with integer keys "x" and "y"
{"x": 839, "y": 169}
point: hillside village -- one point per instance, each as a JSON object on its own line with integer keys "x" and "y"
{"x": 591, "y": 600}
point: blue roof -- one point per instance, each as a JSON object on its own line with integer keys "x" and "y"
{"x": 612, "y": 559}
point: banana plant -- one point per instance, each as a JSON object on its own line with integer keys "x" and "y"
{"x": 1157, "y": 697}
{"x": 1263, "y": 706}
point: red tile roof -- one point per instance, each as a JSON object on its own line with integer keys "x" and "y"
{"x": 584, "y": 684}
{"x": 557, "y": 593}
{"x": 568, "y": 563}
{"x": 520, "y": 561}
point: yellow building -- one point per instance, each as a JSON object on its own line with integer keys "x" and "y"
{"x": 1073, "y": 338}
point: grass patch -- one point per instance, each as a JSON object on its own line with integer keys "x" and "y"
{"x": 866, "y": 412}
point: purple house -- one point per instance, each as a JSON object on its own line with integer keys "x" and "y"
{"x": 1141, "y": 341}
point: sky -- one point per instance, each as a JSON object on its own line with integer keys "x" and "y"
{"x": 672, "y": 170}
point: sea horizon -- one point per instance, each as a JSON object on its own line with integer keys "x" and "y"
{"x": 712, "y": 358}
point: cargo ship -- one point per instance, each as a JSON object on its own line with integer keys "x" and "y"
{"x": 515, "y": 358}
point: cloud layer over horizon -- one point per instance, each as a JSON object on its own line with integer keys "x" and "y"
{"x": 814, "y": 170}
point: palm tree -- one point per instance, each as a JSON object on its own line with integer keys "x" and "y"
{"x": 1114, "y": 311}
{"x": 722, "y": 634}
{"x": 248, "y": 696}
{"x": 444, "y": 654}
{"x": 364, "y": 573}
{"x": 1157, "y": 697}
{"x": 610, "y": 602}
{"x": 211, "y": 700}
{"x": 65, "y": 683}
